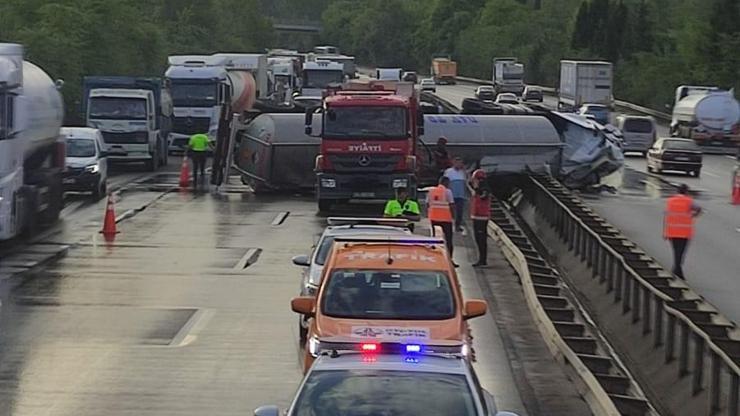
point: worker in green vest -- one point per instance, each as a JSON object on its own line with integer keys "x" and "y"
{"x": 402, "y": 207}
{"x": 197, "y": 148}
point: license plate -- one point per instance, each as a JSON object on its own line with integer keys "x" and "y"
{"x": 363, "y": 195}
{"x": 68, "y": 181}
{"x": 681, "y": 158}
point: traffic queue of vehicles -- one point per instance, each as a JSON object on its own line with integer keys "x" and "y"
{"x": 385, "y": 309}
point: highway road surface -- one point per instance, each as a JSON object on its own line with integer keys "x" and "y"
{"x": 712, "y": 266}
{"x": 187, "y": 312}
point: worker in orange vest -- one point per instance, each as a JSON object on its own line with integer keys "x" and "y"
{"x": 678, "y": 225}
{"x": 480, "y": 213}
{"x": 441, "y": 205}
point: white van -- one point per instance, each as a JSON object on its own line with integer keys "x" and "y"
{"x": 87, "y": 162}
{"x": 638, "y": 132}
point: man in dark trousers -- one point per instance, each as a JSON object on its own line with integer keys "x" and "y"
{"x": 678, "y": 225}
{"x": 441, "y": 205}
{"x": 480, "y": 213}
{"x": 198, "y": 148}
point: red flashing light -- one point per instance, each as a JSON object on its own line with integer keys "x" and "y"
{"x": 369, "y": 347}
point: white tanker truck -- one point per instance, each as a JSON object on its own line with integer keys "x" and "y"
{"x": 201, "y": 84}
{"x": 708, "y": 115}
{"x": 31, "y": 150}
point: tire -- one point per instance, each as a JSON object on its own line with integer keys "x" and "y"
{"x": 100, "y": 191}
{"x": 324, "y": 205}
{"x": 649, "y": 169}
{"x": 302, "y": 329}
{"x": 697, "y": 173}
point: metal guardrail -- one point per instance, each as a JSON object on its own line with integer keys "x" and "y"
{"x": 656, "y": 308}
{"x": 553, "y": 91}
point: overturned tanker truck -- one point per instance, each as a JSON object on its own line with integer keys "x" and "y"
{"x": 273, "y": 153}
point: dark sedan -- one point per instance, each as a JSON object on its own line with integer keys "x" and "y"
{"x": 675, "y": 154}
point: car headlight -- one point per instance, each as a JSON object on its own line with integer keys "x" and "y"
{"x": 92, "y": 168}
{"x": 328, "y": 183}
{"x": 400, "y": 183}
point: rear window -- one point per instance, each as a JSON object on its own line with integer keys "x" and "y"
{"x": 638, "y": 125}
{"x": 681, "y": 145}
{"x": 388, "y": 294}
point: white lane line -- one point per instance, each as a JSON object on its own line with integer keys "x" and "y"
{"x": 730, "y": 157}
{"x": 711, "y": 174}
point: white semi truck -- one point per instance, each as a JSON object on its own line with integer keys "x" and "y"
{"x": 318, "y": 75}
{"x": 585, "y": 82}
{"x": 31, "y": 150}
{"x": 201, "y": 84}
{"x": 508, "y": 76}
{"x": 708, "y": 115}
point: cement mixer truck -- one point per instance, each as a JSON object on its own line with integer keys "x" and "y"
{"x": 31, "y": 151}
{"x": 201, "y": 84}
{"x": 707, "y": 115}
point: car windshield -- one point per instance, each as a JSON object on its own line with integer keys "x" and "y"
{"x": 190, "y": 94}
{"x": 681, "y": 145}
{"x": 365, "y": 122}
{"x": 388, "y": 294}
{"x": 115, "y": 108}
{"x": 321, "y": 78}
{"x": 638, "y": 125}
{"x": 80, "y": 148}
{"x": 355, "y": 392}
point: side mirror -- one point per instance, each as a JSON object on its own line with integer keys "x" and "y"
{"x": 475, "y": 308}
{"x": 301, "y": 261}
{"x": 304, "y": 305}
{"x": 269, "y": 410}
{"x": 308, "y": 130}
{"x": 102, "y": 154}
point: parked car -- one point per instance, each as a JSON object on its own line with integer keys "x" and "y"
{"x": 313, "y": 264}
{"x": 410, "y": 76}
{"x": 485, "y": 92}
{"x": 87, "y": 163}
{"x": 532, "y": 94}
{"x": 507, "y": 98}
{"x": 638, "y": 132}
{"x": 428, "y": 84}
{"x": 675, "y": 154}
{"x": 599, "y": 112}
{"x": 379, "y": 383}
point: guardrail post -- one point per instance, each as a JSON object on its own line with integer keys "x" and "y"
{"x": 635, "y": 300}
{"x": 627, "y": 296}
{"x": 646, "y": 299}
{"x": 619, "y": 278}
{"x": 683, "y": 350}
{"x": 670, "y": 339}
{"x": 589, "y": 249}
{"x": 595, "y": 257}
{"x": 603, "y": 263}
{"x": 732, "y": 400}
{"x": 571, "y": 232}
{"x": 715, "y": 389}
{"x": 658, "y": 334}
{"x": 698, "y": 376}
{"x": 610, "y": 274}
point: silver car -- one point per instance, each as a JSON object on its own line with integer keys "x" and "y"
{"x": 389, "y": 384}
{"x": 638, "y": 131}
{"x": 313, "y": 264}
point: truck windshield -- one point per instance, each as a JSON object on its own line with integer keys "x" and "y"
{"x": 317, "y": 78}
{"x": 350, "y": 392}
{"x": 364, "y": 122}
{"x": 388, "y": 294}
{"x": 194, "y": 94}
{"x": 116, "y": 108}
{"x": 80, "y": 148}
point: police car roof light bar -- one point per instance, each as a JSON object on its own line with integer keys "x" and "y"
{"x": 455, "y": 349}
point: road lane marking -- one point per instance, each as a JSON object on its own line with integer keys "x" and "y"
{"x": 711, "y": 174}
{"x": 248, "y": 259}
{"x": 280, "y": 218}
{"x": 189, "y": 332}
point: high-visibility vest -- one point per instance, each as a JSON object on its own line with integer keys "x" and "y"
{"x": 480, "y": 208}
{"x": 439, "y": 206}
{"x": 679, "y": 217}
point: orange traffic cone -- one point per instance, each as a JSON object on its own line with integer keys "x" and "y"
{"x": 184, "y": 173}
{"x": 109, "y": 223}
{"x": 736, "y": 187}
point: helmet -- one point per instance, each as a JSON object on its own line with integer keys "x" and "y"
{"x": 479, "y": 174}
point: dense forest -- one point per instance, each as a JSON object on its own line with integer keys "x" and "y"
{"x": 654, "y": 44}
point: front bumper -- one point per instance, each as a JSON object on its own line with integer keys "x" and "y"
{"x": 129, "y": 153}
{"x": 363, "y": 186}
{"x": 80, "y": 181}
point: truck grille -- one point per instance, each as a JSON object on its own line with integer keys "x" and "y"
{"x": 125, "y": 138}
{"x": 191, "y": 125}
{"x": 364, "y": 163}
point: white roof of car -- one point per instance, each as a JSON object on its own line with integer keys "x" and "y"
{"x": 392, "y": 362}
{"x": 79, "y": 132}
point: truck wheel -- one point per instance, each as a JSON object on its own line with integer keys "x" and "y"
{"x": 324, "y": 205}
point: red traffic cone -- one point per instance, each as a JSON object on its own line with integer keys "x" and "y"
{"x": 184, "y": 173}
{"x": 736, "y": 187}
{"x": 109, "y": 223}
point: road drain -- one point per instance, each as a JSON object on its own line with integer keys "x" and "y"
{"x": 248, "y": 259}
{"x": 280, "y": 218}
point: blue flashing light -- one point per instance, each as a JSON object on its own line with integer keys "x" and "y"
{"x": 412, "y": 360}
{"x": 413, "y": 348}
